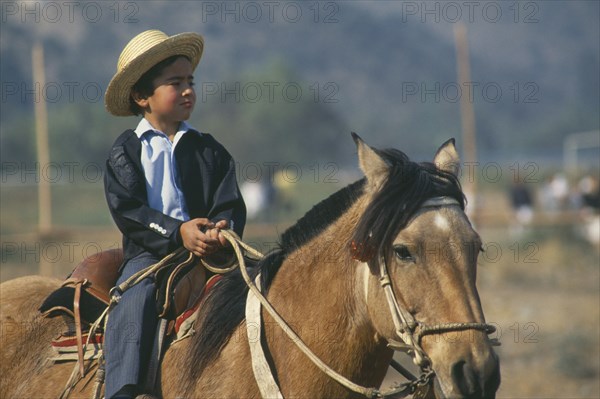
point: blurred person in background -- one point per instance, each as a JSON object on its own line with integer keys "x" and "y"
{"x": 589, "y": 189}
{"x": 555, "y": 194}
{"x": 522, "y": 205}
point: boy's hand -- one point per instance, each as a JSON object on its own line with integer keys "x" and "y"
{"x": 221, "y": 225}
{"x": 198, "y": 236}
{"x": 216, "y": 232}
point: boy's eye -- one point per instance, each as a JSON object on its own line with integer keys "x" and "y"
{"x": 179, "y": 83}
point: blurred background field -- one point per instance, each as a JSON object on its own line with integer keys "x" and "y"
{"x": 282, "y": 90}
{"x": 538, "y": 283}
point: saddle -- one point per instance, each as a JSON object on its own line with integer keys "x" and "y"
{"x": 87, "y": 288}
{"x": 85, "y": 294}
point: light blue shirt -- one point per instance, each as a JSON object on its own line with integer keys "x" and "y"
{"x": 163, "y": 183}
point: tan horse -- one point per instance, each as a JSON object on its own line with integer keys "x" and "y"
{"x": 333, "y": 301}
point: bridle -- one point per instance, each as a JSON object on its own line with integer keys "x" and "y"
{"x": 407, "y": 328}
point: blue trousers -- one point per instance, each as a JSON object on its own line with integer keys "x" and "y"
{"x": 130, "y": 330}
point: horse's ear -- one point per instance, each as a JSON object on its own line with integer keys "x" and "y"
{"x": 374, "y": 167}
{"x": 446, "y": 158}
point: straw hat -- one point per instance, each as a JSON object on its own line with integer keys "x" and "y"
{"x": 142, "y": 53}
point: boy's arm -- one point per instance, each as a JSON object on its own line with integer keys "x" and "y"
{"x": 147, "y": 227}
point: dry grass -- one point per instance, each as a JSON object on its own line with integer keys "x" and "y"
{"x": 549, "y": 315}
{"x": 543, "y": 293}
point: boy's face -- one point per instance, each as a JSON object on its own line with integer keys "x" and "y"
{"x": 174, "y": 97}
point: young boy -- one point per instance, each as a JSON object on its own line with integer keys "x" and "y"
{"x": 167, "y": 185}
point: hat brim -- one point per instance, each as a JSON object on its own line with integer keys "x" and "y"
{"x": 116, "y": 98}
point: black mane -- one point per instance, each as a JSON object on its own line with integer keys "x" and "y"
{"x": 409, "y": 184}
{"x": 224, "y": 308}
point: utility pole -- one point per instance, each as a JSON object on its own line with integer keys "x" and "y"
{"x": 467, "y": 116}
{"x": 41, "y": 135}
{"x": 43, "y": 154}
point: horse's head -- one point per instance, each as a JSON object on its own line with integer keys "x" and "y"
{"x": 414, "y": 229}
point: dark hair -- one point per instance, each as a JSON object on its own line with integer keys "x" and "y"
{"x": 144, "y": 86}
{"x": 408, "y": 185}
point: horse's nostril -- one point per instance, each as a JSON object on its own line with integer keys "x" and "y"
{"x": 470, "y": 382}
{"x": 492, "y": 380}
{"x": 464, "y": 379}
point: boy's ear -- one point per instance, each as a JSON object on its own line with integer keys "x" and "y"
{"x": 139, "y": 100}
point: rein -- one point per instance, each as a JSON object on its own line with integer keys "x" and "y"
{"x": 237, "y": 245}
{"x": 409, "y": 330}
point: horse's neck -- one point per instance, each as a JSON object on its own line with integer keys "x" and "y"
{"x": 316, "y": 292}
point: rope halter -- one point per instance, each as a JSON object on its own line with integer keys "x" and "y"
{"x": 409, "y": 330}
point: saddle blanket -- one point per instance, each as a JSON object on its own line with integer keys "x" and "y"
{"x": 65, "y": 345}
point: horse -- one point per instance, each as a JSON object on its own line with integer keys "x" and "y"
{"x": 387, "y": 261}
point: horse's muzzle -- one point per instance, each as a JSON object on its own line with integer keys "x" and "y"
{"x": 471, "y": 379}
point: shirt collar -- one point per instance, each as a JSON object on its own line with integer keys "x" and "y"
{"x": 144, "y": 127}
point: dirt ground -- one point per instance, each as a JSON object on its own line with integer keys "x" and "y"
{"x": 540, "y": 288}
{"x": 549, "y": 314}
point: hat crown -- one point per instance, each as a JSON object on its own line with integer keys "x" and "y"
{"x": 139, "y": 45}
{"x": 139, "y": 55}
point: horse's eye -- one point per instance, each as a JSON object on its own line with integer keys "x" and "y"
{"x": 403, "y": 253}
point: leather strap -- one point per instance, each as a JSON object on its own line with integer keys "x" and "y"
{"x": 172, "y": 280}
{"x": 155, "y": 357}
{"x": 78, "y": 285}
{"x": 262, "y": 371}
